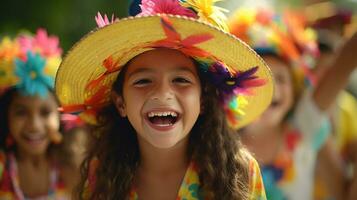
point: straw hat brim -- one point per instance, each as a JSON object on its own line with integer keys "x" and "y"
{"x": 83, "y": 63}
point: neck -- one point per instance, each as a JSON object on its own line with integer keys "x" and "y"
{"x": 35, "y": 160}
{"x": 260, "y": 131}
{"x": 163, "y": 161}
{"x": 265, "y": 144}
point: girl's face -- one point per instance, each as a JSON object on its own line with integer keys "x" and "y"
{"x": 283, "y": 93}
{"x": 161, "y": 96}
{"x": 31, "y": 121}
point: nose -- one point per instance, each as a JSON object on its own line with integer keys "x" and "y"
{"x": 277, "y": 90}
{"x": 34, "y": 123}
{"x": 163, "y": 91}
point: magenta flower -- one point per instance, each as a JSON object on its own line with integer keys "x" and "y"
{"x": 152, "y": 7}
{"x": 41, "y": 43}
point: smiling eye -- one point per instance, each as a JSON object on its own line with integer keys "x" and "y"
{"x": 142, "y": 82}
{"x": 20, "y": 112}
{"x": 181, "y": 80}
{"x": 45, "y": 112}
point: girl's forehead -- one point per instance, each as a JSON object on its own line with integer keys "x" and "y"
{"x": 160, "y": 60}
{"x": 276, "y": 64}
{"x": 34, "y": 101}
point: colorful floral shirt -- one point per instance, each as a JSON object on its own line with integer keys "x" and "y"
{"x": 189, "y": 189}
{"x": 10, "y": 186}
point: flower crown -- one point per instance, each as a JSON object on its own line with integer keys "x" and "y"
{"x": 29, "y": 63}
{"x": 284, "y": 35}
{"x": 232, "y": 85}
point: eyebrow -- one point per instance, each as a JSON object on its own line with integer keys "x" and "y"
{"x": 140, "y": 70}
{"x": 145, "y": 69}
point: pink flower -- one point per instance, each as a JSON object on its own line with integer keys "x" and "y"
{"x": 151, "y": 7}
{"x": 42, "y": 43}
{"x": 101, "y": 22}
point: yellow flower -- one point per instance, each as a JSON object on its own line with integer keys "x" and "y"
{"x": 245, "y": 16}
{"x": 7, "y": 76}
{"x": 208, "y": 12}
{"x": 9, "y": 49}
{"x": 52, "y": 64}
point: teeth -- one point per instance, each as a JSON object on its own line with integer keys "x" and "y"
{"x": 160, "y": 114}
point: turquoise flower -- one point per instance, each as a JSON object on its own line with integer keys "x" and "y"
{"x": 33, "y": 81}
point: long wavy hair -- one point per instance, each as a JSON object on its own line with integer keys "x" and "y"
{"x": 215, "y": 148}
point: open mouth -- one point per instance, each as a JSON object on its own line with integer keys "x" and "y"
{"x": 34, "y": 138}
{"x": 163, "y": 119}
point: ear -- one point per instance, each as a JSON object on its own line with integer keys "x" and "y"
{"x": 119, "y": 103}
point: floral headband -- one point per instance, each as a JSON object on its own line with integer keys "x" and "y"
{"x": 29, "y": 63}
{"x": 232, "y": 85}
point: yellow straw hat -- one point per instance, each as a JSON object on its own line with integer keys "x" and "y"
{"x": 85, "y": 77}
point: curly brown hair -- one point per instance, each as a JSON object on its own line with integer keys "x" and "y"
{"x": 223, "y": 167}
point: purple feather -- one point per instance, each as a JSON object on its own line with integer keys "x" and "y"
{"x": 241, "y": 77}
{"x": 220, "y": 76}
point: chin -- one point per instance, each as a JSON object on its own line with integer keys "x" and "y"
{"x": 38, "y": 152}
{"x": 163, "y": 144}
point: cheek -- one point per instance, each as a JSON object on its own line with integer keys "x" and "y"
{"x": 287, "y": 90}
{"x": 192, "y": 98}
{"x": 133, "y": 100}
{"x": 16, "y": 124}
{"x": 53, "y": 122}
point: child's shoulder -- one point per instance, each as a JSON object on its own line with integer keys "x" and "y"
{"x": 247, "y": 156}
{"x": 251, "y": 162}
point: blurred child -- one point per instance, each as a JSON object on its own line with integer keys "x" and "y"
{"x": 288, "y": 136}
{"x": 29, "y": 131}
{"x": 73, "y": 149}
{"x": 343, "y": 115}
{"x": 166, "y": 86}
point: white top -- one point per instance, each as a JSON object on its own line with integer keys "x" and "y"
{"x": 314, "y": 128}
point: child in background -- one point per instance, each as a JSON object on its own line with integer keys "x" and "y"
{"x": 72, "y": 149}
{"x": 288, "y": 136}
{"x": 332, "y": 30}
{"x": 166, "y": 86}
{"x": 29, "y": 130}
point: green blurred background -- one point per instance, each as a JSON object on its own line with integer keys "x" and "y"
{"x": 71, "y": 19}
